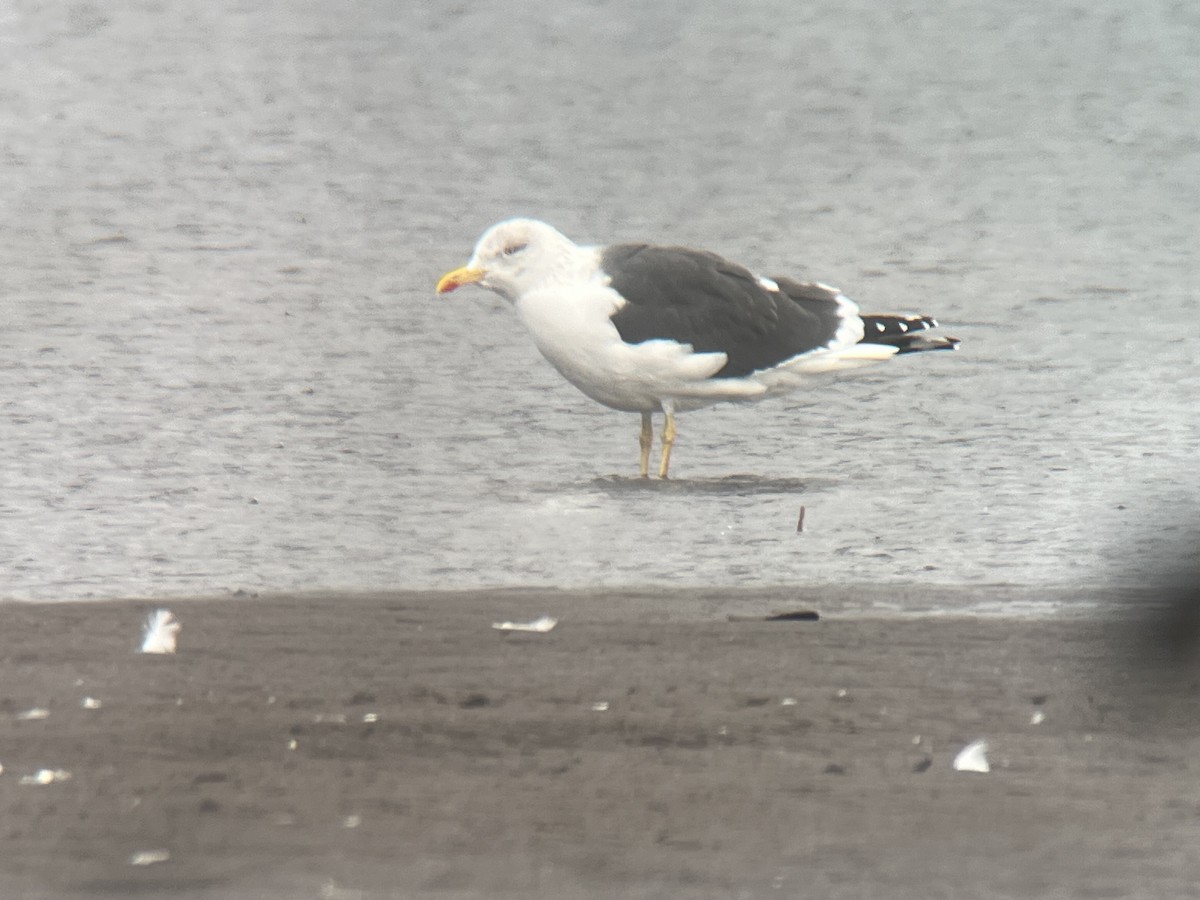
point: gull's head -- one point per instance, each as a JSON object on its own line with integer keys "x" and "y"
{"x": 515, "y": 256}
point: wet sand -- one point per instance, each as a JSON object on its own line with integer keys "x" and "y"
{"x": 395, "y": 745}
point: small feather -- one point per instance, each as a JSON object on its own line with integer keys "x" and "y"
{"x": 46, "y": 776}
{"x": 160, "y": 632}
{"x": 541, "y": 626}
{"x": 972, "y": 758}
{"x": 149, "y": 857}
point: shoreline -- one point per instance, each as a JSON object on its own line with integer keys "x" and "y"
{"x": 846, "y": 600}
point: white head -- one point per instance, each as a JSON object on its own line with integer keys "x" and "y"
{"x": 516, "y": 256}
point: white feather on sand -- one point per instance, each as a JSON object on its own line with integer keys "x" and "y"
{"x": 160, "y": 632}
{"x": 149, "y": 857}
{"x": 46, "y": 776}
{"x": 539, "y": 626}
{"x": 972, "y": 758}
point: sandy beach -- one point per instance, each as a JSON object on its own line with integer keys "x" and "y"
{"x": 667, "y": 744}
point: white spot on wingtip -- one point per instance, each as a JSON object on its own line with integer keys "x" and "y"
{"x": 769, "y": 285}
{"x": 903, "y": 326}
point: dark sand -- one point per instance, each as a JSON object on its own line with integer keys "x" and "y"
{"x": 488, "y": 772}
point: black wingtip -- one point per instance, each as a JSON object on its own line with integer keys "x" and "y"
{"x": 931, "y": 342}
{"x": 919, "y": 343}
{"x": 908, "y": 334}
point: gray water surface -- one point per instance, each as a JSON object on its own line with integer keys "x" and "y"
{"x": 222, "y": 364}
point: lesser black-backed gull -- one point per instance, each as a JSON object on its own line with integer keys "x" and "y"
{"x": 647, "y": 329}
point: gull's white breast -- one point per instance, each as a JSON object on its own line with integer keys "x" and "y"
{"x": 572, "y": 327}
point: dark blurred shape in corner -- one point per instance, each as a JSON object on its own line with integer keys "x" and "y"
{"x": 1173, "y": 628}
{"x": 1154, "y": 657}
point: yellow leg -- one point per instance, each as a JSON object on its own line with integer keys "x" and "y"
{"x": 668, "y": 439}
{"x": 645, "y": 441}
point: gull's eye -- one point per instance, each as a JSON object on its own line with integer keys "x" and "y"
{"x": 514, "y": 248}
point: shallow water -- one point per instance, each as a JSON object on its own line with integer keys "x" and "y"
{"x": 223, "y": 366}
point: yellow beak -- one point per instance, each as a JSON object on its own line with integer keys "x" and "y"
{"x": 458, "y": 278}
